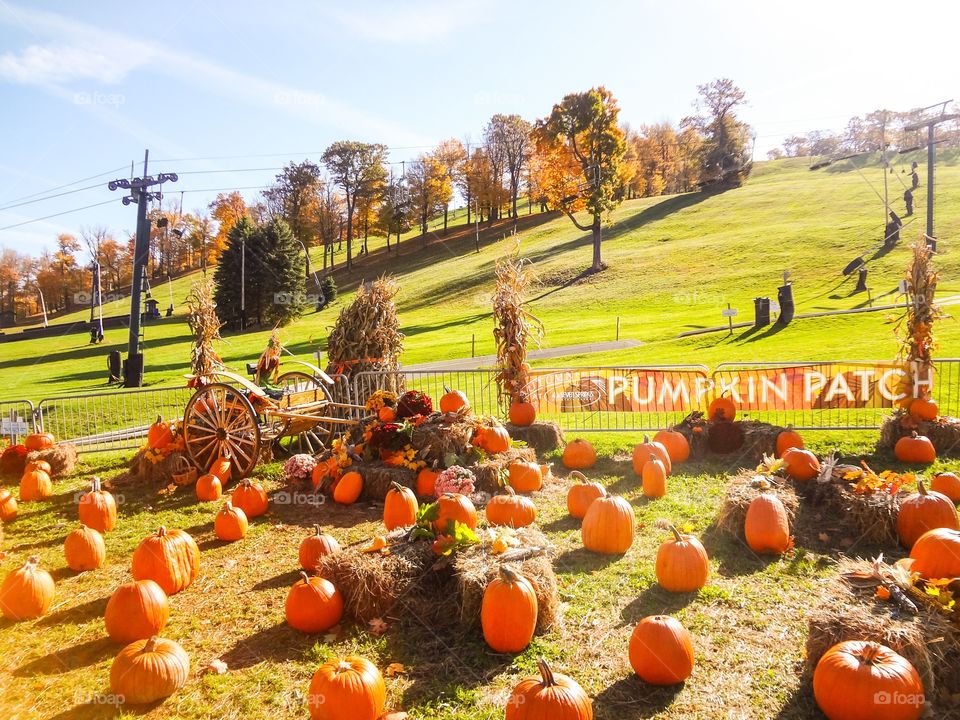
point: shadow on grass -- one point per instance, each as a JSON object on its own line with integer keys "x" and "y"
{"x": 655, "y": 601}
{"x": 103, "y": 710}
{"x": 283, "y": 580}
{"x": 278, "y": 643}
{"x": 49, "y": 542}
{"x": 566, "y": 522}
{"x": 581, "y": 560}
{"x": 801, "y": 704}
{"x": 76, "y": 614}
{"x": 69, "y": 659}
{"x": 633, "y": 698}
{"x": 733, "y": 555}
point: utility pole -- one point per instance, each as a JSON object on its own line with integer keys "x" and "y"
{"x": 140, "y": 195}
{"x": 885, "y": 165}
{"x": 243, "y": 281}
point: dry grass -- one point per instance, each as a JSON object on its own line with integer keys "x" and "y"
{"x": 741, "y": 491}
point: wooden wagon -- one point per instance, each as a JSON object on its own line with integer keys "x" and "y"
{"x": 231, "y": 416}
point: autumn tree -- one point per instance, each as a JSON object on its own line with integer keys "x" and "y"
{"x": 429, "y": 189}
{"x": 583, "y": 134}
{"x": 507, "y": 140}
{"x": 294, "y": 198}
{"x": 358, "y": 169}
{"x": 451, "y": 156}
{"x": 66, "y": 264}
{"x": 725, "y": 157}
{"x": 227, "y": 209}
{"x": 330, "y": 222}
{"x": 394, "y": 214}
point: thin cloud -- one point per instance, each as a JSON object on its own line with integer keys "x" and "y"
{"x": 58, "y": 64}
{"x": 410, "y": 22}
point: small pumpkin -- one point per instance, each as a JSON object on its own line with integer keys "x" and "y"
{"x": 38, "y": 465}
{"x": 319, "y": 473}
{"x": 654, "y": 477}
{"x": 350, "y": 687}
{"x": 159, "y": 435}
{"x": 27, "y": 592}
{"x": 230, "y": 523}
{"x": 400, "y": 508}
{"x": 642, "y": 452}
{"x": 39, "y": 441}
{"x": 348, "y": 488}
{"x": 722, "y": 409}
{"x": 579, "y": 454}
{"x": 682, "y": 563}
{"x": 456, "y": 507}
{"x": 511, "y": 509}
{"x": 84, "y": 549}
{"x": 915, "y": 449}
{"x": 427, "y": 482}
{"x": 8, "y": 505}
{"x": 582, "y": 493}
{"x": 852, "y": 675}
{"x": 387, "y": 414}
{"x": 494, "y": 439}
{"x": 922, "y": 511}
{"x": 767, "y": 527}
{"x": 149, "y": 670}
{"x": 522, "y": 413}
{"x": 923, "y": 409}
{"x": 525, "y": 476}
{"x": 314, "y": 547}
{"x": 250, "y": 497}
{"x": 136, "y": 611}
{"x": 661, "y": 650}
{"x": 222, "y": 468}
{"x": 313, "y": 605}
{"x": 787, "y": 439}
{"x": 608, "y": 526}
{"x": 35, "y": 485}
{"x": 208, "y": 488}
{"x": 800, "y": 464}
{"x": 552, "y": 695}
{"x": 676, "y": 443}
{"x": 947, "y": 483}
{"x": 171, "y": 558}
{"x": 454, "y": 401}
{"x": 508, "y": 612}
{"x": 936, "y": 554}
{"x": 98, "y": 508}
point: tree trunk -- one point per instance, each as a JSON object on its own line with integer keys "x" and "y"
{"x": 349, "y": 237}
{"x": 468, "y": 205}
{"x": 597, "y": 261}
{"x": 446, "y": 208}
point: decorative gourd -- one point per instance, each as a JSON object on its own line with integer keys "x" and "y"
{"x": 654, "y": 477}
{"x": 676, "y": 443}
{"x": 170, "y": 558}
{"x": 767, "y": 527}
{"x": 787, "y": 439}
{"x": 525, "y": 476}
{"x": 582, "y": 493}
{"x": 348, "y": 488}
{"x": 400, "y": 508}
{"x": 661, "y": 650}
{"x": 208, "y": 488}
{"x": 314, "y": 547}
{"x": 936, "y": 554}
{"x": 98, "y": 509}
{"x": 313, "y": 605}
{"x": 84, "y": 549}
{"x": 800, "y": 464}
{"x": 149, "y": 670}
{"x": 551, "y": 696}
{"x": 427, "y": 482}
{"x": 857, "y": 680}
{"x": 454, "y": 401}
{"x": 159, "y": 435}
{"x": 522, "y": 413}
{"x": 39, "y": 465}
{"x": 230, "y": 523}
{"x": 947, "y": 483}
{"x": 923, "y": 409}
{"x": 922, "y": 511}
{"x": 511, "y": 509}
{"x": 682, "y": 563}
{"x": 579, "y": 455}
{"x": 722, "y": 408}
{"x": 35, "y": 485}
{"x": 494, "y": 439}
{"x": 8, "y": 505}
{"x": 915, "y": 449}
{"x": 27, "y": 592}
{"x": 454, "y": 506}
{"x": 642, "y": 452}
{"x": 136, "y": 611}
{"x": 350, "y": 687}
{"x": 508, "y": 613}
{"x": 608, "y": 526}
{"x": 39, "y": 441}
{"x": 251, "y": 498}
{"x": 222, "y": 468}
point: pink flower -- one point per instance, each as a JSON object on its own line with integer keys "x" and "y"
{"x": 455, "y": 479}
{"x": 299, "y": 467}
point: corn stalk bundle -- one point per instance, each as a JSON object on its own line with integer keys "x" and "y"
{"x": 514, "y": 327}
{"x": 205, "y": 326}
{"x": 367, "y": 333}
{"x": 915, "y": 329}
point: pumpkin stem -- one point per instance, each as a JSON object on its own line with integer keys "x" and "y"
{"x": 676, "y": 533}
{"x": 446, "y": 388}
{"x": 546, "y": 673}
{"x": 150, "y": 645}
{"x": 509, "y": 575}
{"x": 304, "y": 577}
{"x": 869, "y": 653}
{"x": 920, "y": 487}
{"x": 33, "y": 561}
{"x": 161, "y": 531}
{"x": 159, "y": 420}
{"x": 317, "y": 530}
{"x": 397, "y": 486}
{"x": 95, "y": 484}
{"x": 509, "y": 490}
{"x": 576, "y": 474}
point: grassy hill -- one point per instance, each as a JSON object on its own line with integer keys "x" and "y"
{"x": 674, "y": 263}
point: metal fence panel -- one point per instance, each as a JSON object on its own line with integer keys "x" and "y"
{"x": 16, "y": 415}
{"x": 479, "y": 385}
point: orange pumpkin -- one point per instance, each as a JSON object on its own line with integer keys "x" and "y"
{"x": 221, "y": 467}
{"x": 767, "y": 527}
{"x": 455, "y": 507}
{"x": 936, "y": 554}
{"x": 97, "y": 508}
{"x": 642, "y": 452}
{"x": 27, "y": 592}
{"x": 348, "y": 488}
{"x": 159, "y": 435}
{"x": 922, "y": 511}
{"x": 136, "y": 611}
{"x": 251, "y": 498}
{"x": 508, "y": 612}
{"x": 511, "y": 509}
{"x": 661, "y": 650}
{"x": 39, "y": 441}
{"x": 38, "y": 465}
{"x": 552, "y": 695}
{"x": 522, "y": 413}
{"x": 579, "y": 455}
{"x": 427, "y": 482}
{"x": 208, "y": 488}
{"x": 387, "y": 414}
{"x": 915, "y": 449}
{"x": 654, "y": 477}
{"x": 608, "y": 526}
{"x": 313, "y": 605}
{"x": 347, "y": 688}
{"x": 171, "y": 558}
{"x": 494, "y": 439}
{"x": 676, "y": 443}
{"x": 314, "y": 547}
{"x": 319, "y": 473}
{"x": 454, "y": 401}
{"x": 787, "y": 439}
{"x": 682, "y": 563}
{"x": 525, "y": 476}
{"x": 8, "y": 505}
{"x": 84, "y": 549}
{"x": 230, "y": 523}
{"x": 148, "y": 670}
{"x": 722, "y": 408}
{"x": 923, "y": 409}
{"x": 400, "y": 508}
{"x": 800, "y": 464}
{"x": 35, "y": 485}
{"x": 582, "y": 493}
{"x": 948, "y": 484}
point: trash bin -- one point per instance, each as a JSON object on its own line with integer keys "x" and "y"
{"x": 114, "y": 365}
{"x": 761, "y": 312}
{"x": 785, "y": 300}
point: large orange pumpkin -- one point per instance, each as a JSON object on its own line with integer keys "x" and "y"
{"x": 454, "y": 401}
{"x": 455, "y": 507}
{"x": 171, "y": 558}
{"x": 508, "y": 613}
{"x": 948, "y": 484}
{"x": 347, "y": 688}
{"x": 722, "y": 408}
{"x": 148, "y": 670}
{"x": 522, "y": 413}
{"x": 787, "y": 439}
{"x": 427, "y": 482}
{"x": 676, "y": 443}
{"x": 208, "y": 488}
{"x": 936, "y": 554}
{"x": 767, "y": 527}
{"x": 525, "y": 476}
{"x": 136, "y": 611}
{"x": 230, "y": 523}
{"x": 494, "y": 439}
{"x": 915, "y": 449}
{"x": 857, "y": 680}
{"x": 400, "y": 508}
{"x": 654, "y": 477}
{"x": 39, "y": 441}
{"x": 582, "y": 493}
{"x": 251, "y": 498}
{"x": 8, "y": 505}
{"x": 608, "y": 526}
{"x": 924, "y": 510}
{"x": 348, "y": 488}
{"x": 314, "y": 547}
{"x": 35, "y": 485}
{"x": 682, "y": 563}
{"x": 27, "y": 592}
{"x": 39, "y": 465}
{"x": 923, "y": 409}
{"x": 313, "y": 605}
{"x": 579, "y": 455}
{"x": 661, "y": 650}
{"x": 642, "y": 452}
{"x": 800, "y": 464}
{"x": 511, "y": 509}
{"x": 159, "y": 434}
{"x": 84, "y": 549}
{"x": 97, "y": 508}
{"x": 552, "y": 696}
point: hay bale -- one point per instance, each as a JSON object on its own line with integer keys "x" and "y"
{"x": 379, "y": 478}
{"x": 441, "y": 436}
{"x": 62, "y": 459}
{"x": 741, "y": 492}
{"x": 750, "y": 440}
{"x": 944, "y": 432}
{"x": 489, "y": 471}
{"x": 541, "y": 436}
{"x": 872, "y": 516}
{"x": 141, "y": 470}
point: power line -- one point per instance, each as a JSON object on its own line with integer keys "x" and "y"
{"x": 50, "y": 197}
{"x": 47, "y": 217}
{"x": 69, "y": 184}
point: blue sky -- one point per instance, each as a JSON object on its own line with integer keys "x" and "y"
{"x": 209, "y": 86}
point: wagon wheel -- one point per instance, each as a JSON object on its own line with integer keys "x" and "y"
{"x": 310, "y": 441}
{"x": 219, "y": 420}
